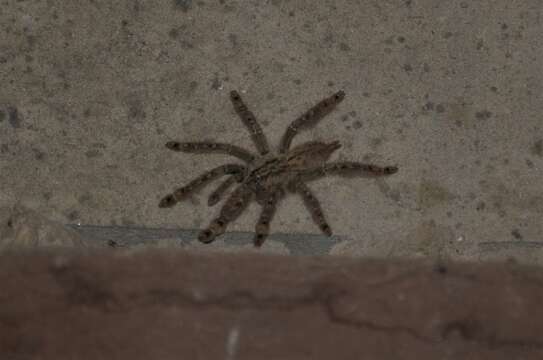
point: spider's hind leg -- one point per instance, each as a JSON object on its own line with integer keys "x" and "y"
{"x": 231, "y": 210}
{"x": 349, "y": 169}
{"x": 218, "y": 193}
{"x": 269, "y": 205}
{"x": 250, "y": 122}
{"x": 207, "y": 147}
{"x": 196, "y": 184}
{"x": 313, "y": 206}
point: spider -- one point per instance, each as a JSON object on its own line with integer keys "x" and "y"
{"x": 268, "y": 177}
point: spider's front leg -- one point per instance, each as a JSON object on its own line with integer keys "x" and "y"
{"x": 310, "y": 118}
{"x": 196, "y": 184}
{"x": 231, "y": 210}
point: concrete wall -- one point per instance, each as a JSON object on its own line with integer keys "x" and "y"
{"x": 450, "y": 91}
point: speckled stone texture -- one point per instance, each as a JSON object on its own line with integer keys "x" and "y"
{"x": 449, "y": 91}
{"x": 176, "y": 305}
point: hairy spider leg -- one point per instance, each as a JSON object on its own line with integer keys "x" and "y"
{"x": 313, "y": 206}
{"x": 310, "y": 118}
{"x": 249, "y": 120}
{"x": 196, "y": 184}
{"x": 269, "y": 206}
{"x": 231, "y": 210}
{"x": 205, "y": 147}
{"x": 217, "y": 195}
{"x": 347, "y": 168}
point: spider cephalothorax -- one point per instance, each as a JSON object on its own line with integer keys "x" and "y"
{"x": 267, "y": 177}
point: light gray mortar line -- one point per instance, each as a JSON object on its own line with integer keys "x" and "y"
{"x": 297, "y": 244}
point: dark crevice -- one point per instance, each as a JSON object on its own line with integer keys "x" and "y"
{"x": 86, "y": 290}
{"x": 326, "y": 297}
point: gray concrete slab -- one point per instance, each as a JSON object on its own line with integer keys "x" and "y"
{"x": 449, "y": 91}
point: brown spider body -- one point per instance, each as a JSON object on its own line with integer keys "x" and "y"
{"x": 267, "y": 176}
{"x": 281, "y": 171}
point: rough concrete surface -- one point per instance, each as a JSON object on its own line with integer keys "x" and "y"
{"x": 450, "y": 91}
{"x": 172, "y": 305}
{"x": 25, "y": 229}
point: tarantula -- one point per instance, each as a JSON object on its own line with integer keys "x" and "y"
{"x": 267, "y": 177}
